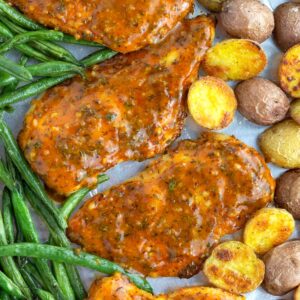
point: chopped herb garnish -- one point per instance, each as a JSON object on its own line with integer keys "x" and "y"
{"x": 172, "y": 185}
{"x": 110, "y": 116}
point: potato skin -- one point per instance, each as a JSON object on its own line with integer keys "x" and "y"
{"x": 247, "y": 19}
{"x": 261, "y": 101}
{"x": 287, "y": 25}
{"x": 269, "y": 227}
{"x": 233, "y": 266}
{"x": 295, "y": 110}
{"x": 287, "y": 193}
{"x": 280, "y": 144}
{"x": 282, "y": 268}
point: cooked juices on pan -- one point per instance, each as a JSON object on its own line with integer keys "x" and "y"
{"x": 164, "y": 221}
{"x": 129, "y": 108}
{"x": 122, "y": 25}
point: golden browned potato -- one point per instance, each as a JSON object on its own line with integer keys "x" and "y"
{"x": 280, "y": 144}
{"x": 201, "y": 293}
{"x": 118, "y": 287}
{"x": 289, "y": 75}
{"x": 213, "y": 5}
{"x": 295, "y": 110}
{"x": 282, "y": 268}
{"x": 247, "y": 19}
{"x": 287, "y": 25}
{"x": 287, "y": 193}
{"x": 212, "y": 103}
{"x": 268, "y": 228}
{"x": 233, "y": 266}
{"x": 261, "y": 101}
{"x": 235, "y": 59}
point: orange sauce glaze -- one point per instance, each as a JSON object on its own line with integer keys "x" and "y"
{"x": 129, "y": 108}
{"x": 122, "y": 25}
{"x": 165, "y": 221}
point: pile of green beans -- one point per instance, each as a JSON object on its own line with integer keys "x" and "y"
{"x": 30, "y": 269}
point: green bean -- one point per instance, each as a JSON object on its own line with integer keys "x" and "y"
{"x": 73, "y": 257}
{"x": 13, "y": 85}
{"x": 44, "y": 295}
{"x": 55, "y": 69}
{"x": 42, "y": 85}
{"x": 14, "y": 69}
{"x": 46, "y": 69}
{"x": 35, "y": 286}
{"x": 30, "y": 90}
{"x": 8, "y": 264}
{"x": 59, "y": 238}
{"x": 63, "y": 280}
{"x": 17, "y": 17}
{"x": 30, "y": 234}
{"x": 4, "y": 176}
{"x": 23, "y": 38}
{"x": 41, "y": 45}
{"x": 4, "y": 296}
{"x": 9, "y": 287}
{"x": 73, "y": 200}
{"x": 29, "y": 268}
{"x": 71, "y": 40}
{"x": 31, "y": 179}
{"x": 8, "y": 218}
{"x": 98, "y": 57}
{"x": 25, "y": 49}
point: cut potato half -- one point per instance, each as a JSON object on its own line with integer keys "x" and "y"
{"x": 268, "y": 228}
{"x": 280, "y": 144}
{"x": 235, "y": 59}
{"x": 212, "y": 103}
{"x": 289, "y": 72}
{"x": 233, "y": 266}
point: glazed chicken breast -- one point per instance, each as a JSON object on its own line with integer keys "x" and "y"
{"x": 122, "y": 25}
{"x": 129, "y": 108}
{"x": 165, "y": 221}
{"x": 118, "y": 287}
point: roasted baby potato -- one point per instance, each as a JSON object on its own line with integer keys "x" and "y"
{"x": 212, "y": 103}
{"x": 268, "y": 228}
{"x": 282, "y": 268}
{"x": 213, "y": 5}
{"x": 247, "y": 19}
{"x": 287, "y": 193}
{"x": 118, "y": 287}
{"x": 261, "y": 101}
{"x": 295, "y": 110}
{"x": 235, "y": 59}
{"x": 287, "y": 25}
{"x": 280, "y": 144}
{"x": 201, "y": 293}
{"x": 289, "y": 72}
{"x": 233, "y": 266}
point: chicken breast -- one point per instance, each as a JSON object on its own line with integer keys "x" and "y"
{"x": 122, "y": 25}
{"x": 129, "y": 108}
{"x": 118, "y": 287}
{"x": 165, "y": 221}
